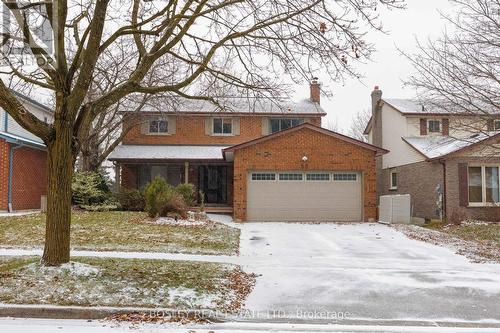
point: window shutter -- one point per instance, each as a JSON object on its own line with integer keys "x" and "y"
{"x": 463, "y": 185}
{"x": 265, "y": 126}
{"x": 172, "y": 124}
{"x": 446, "y": 126}
{"x": 208, "y": 126}
{"x": 490, "y": 125}
{"x": 145, "y": 126}
{"x": 423, "y": 126}
{"x": 236, "y": 126}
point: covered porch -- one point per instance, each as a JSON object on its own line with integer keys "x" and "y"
{"x": 202, "y": 166}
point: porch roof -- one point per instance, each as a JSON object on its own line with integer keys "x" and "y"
{"x": 167, "y": 152}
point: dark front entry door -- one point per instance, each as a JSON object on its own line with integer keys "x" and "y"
{"x": 212, "y": 181}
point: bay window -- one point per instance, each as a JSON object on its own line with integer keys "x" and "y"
{"x": 484, "y": 185}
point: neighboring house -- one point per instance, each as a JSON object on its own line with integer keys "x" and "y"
{"x": 448, "y": 163}
{"x": 22, "y": 160}
{"x": 263, "y": 161}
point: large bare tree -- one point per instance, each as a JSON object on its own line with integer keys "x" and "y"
{"x": 358, "y": 124}
{"x": 269, "y": 43}
{"x": 459, "y": 73}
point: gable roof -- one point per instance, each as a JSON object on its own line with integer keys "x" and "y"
{"x": 32, "y": 101}
{"x": 236, "y": 105}
{"x": 378, "y": 151}
{"x": 438, "y": 147}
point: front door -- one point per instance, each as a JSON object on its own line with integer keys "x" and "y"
{"x": 212, "y": 181}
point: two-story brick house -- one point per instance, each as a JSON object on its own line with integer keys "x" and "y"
{"x": 22, "y": 160}
{"x": 267, "y": 161}
{"x": 448, "y": 163}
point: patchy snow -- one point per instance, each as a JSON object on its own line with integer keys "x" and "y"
{"x": 178, "y": 222}
{"x": 191, "y": 298}
{"x": 166, "y": 152}
{"x": 405, "y": 105}
{"x": 436, "y": 146}
{"x": 71, "y": 268}
{"x": 370, "y": 271}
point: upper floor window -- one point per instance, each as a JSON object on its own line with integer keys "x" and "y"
{"x": 434, "y": 126}
{"x": 222, "y": 126}
{"x": 496, "y": 125}
{"x": 280, "y": 124}
{"x": 158, "y": 126}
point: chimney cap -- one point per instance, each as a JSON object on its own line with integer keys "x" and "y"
{"x": 314, "y": 80}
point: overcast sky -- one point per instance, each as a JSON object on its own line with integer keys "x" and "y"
{"x": 388, "y": 67}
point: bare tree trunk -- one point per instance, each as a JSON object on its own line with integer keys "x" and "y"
{"x": 90, "y": 158}
{"x": 60, "y": 172}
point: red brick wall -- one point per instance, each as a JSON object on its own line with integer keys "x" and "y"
{"x": 285, "y": 153}
{"x": 4, "y": 174}
{"x": 29, "y": 181}
{"x": 191, "y": 130}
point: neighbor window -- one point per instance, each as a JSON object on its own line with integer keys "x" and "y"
{"x": 434, "y": 126}
{"x": 290, "y": 176}
{"x": 484, "y": 185}
{"x": 394, "y": 180}
{"x": 158, "y": 126}
{"x": 222, "y": 126}
{"x": 345, "y": 176}
{"x": 496, "y": 125}
{"x": 263, "y": 176}
{"x": 280, "y": 124}
{"x": 318, "y": 176}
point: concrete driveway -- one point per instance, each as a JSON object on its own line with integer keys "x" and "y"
{"x": 363, "y": 272}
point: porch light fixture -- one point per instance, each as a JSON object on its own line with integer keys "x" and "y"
{"x": 304, "y": 158}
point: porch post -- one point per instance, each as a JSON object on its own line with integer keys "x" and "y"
{"x": 117, "y": 177}
{"x": 186, "y": 172}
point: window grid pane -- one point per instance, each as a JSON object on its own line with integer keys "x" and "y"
{"x": 263, "y": 176}
{"x": 345, "y": 176}
{"x": 434, "y": 126}
{"x": 394, "y": 179}
{"x": 162, "y": 126}
{"x": 492, "y": 190}
{"x": 227, "y": 127}
{"x": 475, "y": 184}
{"x": 290, "y": 176}
{"x": 153, "y": 126}
{"x": 217, "y": 125}
{"x": 318, "y": 176}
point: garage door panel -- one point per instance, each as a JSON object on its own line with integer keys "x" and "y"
{"x": 304, "y": 200}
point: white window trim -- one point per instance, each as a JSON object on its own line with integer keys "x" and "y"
{"x": 223, "y": 134}
{"x": 391, "y": 185}
{"x": 159, "y": 133}
{"x": 484, "y": 203}
{"x": 429, "y": 126}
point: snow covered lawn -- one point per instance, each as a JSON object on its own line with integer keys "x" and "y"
{"x": 124, "y": 283}
{"x": 479, "y": 242}
{"x": 124, "y": 231}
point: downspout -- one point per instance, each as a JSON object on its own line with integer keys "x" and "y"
{"x": 5, "y": 121}
{"x": 11, "y": 171}
{"x": 443, "y": 162}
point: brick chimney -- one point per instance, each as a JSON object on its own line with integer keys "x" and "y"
{"x": 315, "y": 90}
{"x": 376, "y": 117}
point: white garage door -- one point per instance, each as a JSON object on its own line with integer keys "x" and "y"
{"x": 304, "y": 196}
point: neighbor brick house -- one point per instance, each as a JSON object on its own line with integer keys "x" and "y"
{"x": 448, "y": 163}
{"x": 262, "y": 160}
{"x": 22, "y": 160}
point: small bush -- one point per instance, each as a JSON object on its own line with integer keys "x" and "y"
{"x": 90, "y": 188}
{"x": 188, "y": 193}
{"x": 131, "y": 199}
{"x": 157, "y": 194}
{"x": 175, "y": 206}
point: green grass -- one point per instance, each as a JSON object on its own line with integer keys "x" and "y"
{"x": 489, "y": 233}
{"x": 119, "y": 282}
{"x": 123, "y": 231}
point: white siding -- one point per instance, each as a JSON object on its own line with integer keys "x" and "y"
{"x": 394, "y": 127}
{"x": 14, "y": 128}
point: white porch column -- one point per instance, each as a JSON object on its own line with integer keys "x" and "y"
{"x": 186, "y": 172}
{"x": 117, "y": 177}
